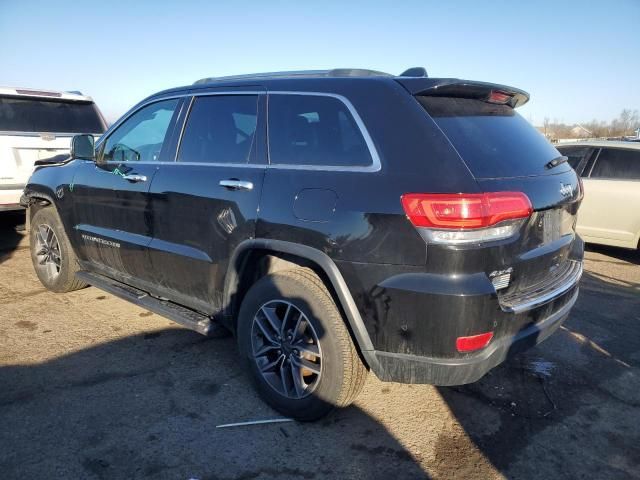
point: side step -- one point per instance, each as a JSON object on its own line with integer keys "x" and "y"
{"x": 184, "y": 316}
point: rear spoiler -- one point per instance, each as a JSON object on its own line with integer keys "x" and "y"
{"x": 454, "y": 87}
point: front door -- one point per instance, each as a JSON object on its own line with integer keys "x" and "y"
{"x": 206, "y": 202}
{"x": 113, "y": 220}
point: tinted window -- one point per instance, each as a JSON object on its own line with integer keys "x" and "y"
{"x": 141, "y": 136}
{"x": 617, "y": 163}
{"x": 493, "y": 140}
{"x": 314, "y": 130}
{"x": 20, "y": 115}
{"x": 576, "y": 156}
{"x": 220, "y": 129}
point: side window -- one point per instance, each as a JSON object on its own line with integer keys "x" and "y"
{"x": 140, "y": 137}
{"x": 220, "y": 129}
{"x": 617, "y": 163}
{"x": 314, "y": 130}
{"x": 577, "y": 156}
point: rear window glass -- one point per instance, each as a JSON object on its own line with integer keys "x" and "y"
{"x": 617, "y": 164}
{"x": 30, "y": 115}
{"x": 314, "y": 130}
{"x": 493, "y": 140}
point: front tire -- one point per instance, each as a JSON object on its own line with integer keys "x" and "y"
{"x": 297, "y": 347}
{"x": 51, "y": 254}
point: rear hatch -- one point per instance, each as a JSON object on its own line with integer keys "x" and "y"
{"x": 504, "y": 153}
{"x": 34, "y": 129}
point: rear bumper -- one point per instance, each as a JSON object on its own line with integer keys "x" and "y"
{"x": 403, "y": 368}
{"x": 10, "y": 200}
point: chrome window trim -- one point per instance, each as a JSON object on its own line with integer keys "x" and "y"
{"x": 216, "y": 164}
{"x": 375, "y": 165}
{"x": 595, "y": 160}
{"x": 182, "y": 129}
{"x": 203, "y": 164}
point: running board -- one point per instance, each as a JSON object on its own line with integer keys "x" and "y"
{"x": 184, "y": 316}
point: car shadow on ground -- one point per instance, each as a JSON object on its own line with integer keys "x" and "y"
{"x": 147, "y": 406}
{"x": 569, "y": 407}
{"x": 12, "y": 232}
{"x": 624, "y": 254}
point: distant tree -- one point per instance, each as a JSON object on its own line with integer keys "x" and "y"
{"x": 626, "y": 123}
{"x": 545, "y": 126}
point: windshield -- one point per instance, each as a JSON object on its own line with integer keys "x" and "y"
{"x": 493, "y": 140}
{"x": 31, "y": 115}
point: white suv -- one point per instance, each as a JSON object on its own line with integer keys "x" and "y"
{"x": 610, "y": 211}
{"x": 38, "y": 125}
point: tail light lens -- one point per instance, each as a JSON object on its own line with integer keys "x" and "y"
{"x": 474, "y": 342}
{"x": 466, "y": 218}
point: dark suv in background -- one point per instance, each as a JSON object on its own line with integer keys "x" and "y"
{"x": 335, "y": 221}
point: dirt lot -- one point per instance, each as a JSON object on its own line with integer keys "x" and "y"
{"x": 93, "y": 387}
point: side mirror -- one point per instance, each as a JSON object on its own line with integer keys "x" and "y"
{"x": 83, "y": 146}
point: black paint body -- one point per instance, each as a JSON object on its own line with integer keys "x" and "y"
{"x": 183, "y": 237}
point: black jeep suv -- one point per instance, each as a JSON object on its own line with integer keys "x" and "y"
{"x": 335, "y": 221}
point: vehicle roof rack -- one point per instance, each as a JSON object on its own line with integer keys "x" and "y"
{"x": 336, "y": 72}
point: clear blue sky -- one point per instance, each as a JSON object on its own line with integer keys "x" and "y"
{"x": 578, "y": 59}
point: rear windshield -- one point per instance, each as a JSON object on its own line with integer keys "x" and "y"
{"x": 493, "y": 140}
{"x": 30, "y": 115}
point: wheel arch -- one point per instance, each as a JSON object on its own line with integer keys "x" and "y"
{"x": 35, "y": 200}
{"x": 244, "y": 269}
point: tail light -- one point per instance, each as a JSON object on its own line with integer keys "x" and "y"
{"x": 474, "y": 342}
{"x": 466, "y": 218}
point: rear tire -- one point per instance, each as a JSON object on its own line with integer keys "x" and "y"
{"x": 314, "y": 366}
{"x": 52, "y": 256}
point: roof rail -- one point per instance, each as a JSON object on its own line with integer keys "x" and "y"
{"x": 336, "y": 72}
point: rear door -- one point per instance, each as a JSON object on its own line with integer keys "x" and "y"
{"x": 113, "y": 221}
{"x": 610, "y": 212}
{"x": 206, "y": 202}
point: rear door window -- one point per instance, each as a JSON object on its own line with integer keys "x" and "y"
{"x": 220, "y": 129}
{"x": 493, "y": 140}
{"x": 55, "y": 116}
{"x": 314, "y": 130}
{"x": 617, "y": 164}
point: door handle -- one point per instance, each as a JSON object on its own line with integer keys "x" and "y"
{"x": 135, "y": 178}
{"x": 233, "y": 184}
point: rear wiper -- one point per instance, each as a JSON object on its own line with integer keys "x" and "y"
{"x": 556, "y": 161}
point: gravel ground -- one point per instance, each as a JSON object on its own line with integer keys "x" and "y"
{"x": 93, "y": 387}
